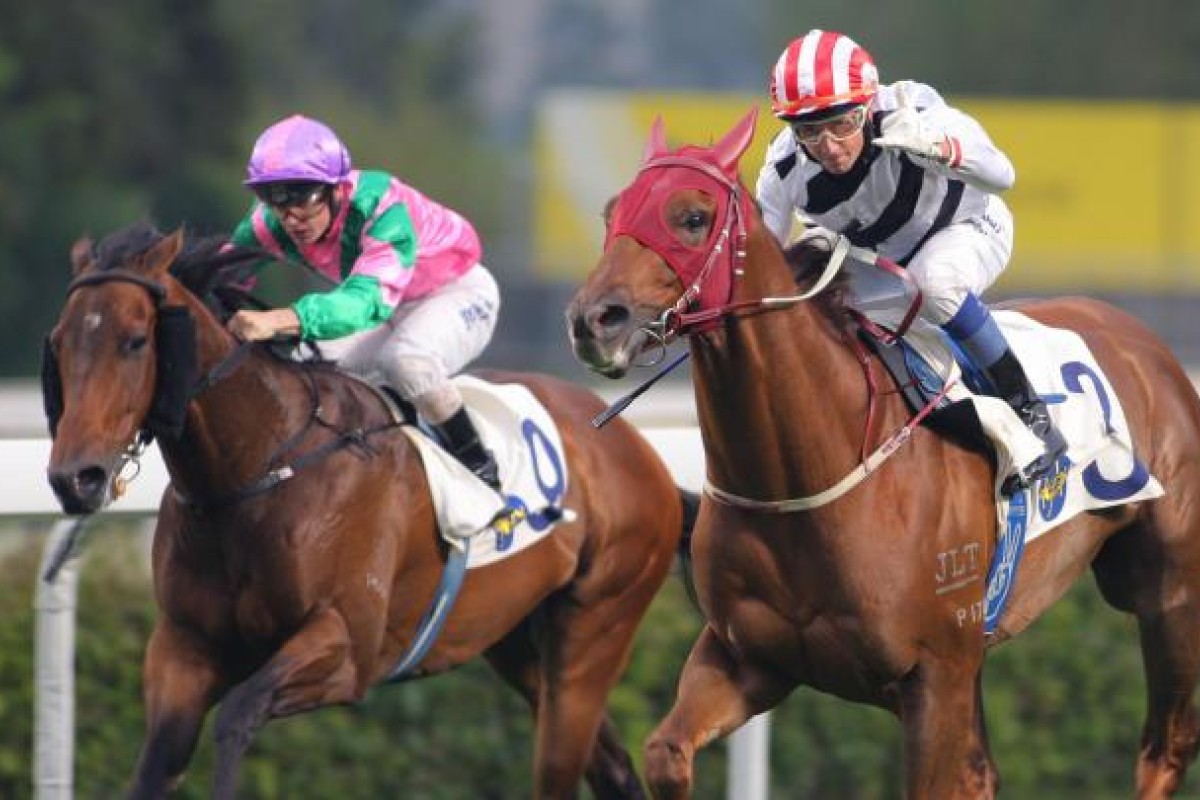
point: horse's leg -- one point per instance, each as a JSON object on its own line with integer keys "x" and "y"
{"x": 180, "y": 684}
{"x": 1169, "y": 738}
{"x": 1157, "y": 577}
{"x": 585, "y": 652}
{"x": 716, "y": 695}
{"x": 312, "y": 669}
{"x": 583, "y": 648}
{"x": 945, "y": 743}
{"x": 610, "y": 772}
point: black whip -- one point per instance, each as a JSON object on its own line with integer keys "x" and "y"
{"x": 621, "y": 404}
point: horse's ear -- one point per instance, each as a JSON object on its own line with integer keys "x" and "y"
{"x": 657, "y": 144}
{"x": 729, "y": 150}
{"x": 83, "y": 256}
{"x": 160, "y": 257}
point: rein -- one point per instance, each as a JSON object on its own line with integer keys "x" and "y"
{"x": 865, "y": 467}
{"x": 356, "y": 437}
{"x": 678, "y": 321}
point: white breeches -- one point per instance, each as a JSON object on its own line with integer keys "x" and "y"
{"x": 967, "y": 256}
{"x": 425, "y": 342}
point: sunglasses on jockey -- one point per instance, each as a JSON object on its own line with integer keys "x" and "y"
{"x": 292, "y": 194}
{"x": 838, "y": 127}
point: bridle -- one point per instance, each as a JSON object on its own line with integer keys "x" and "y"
{"x": 177, "y": 352}
{"x": 678, "y": 320}
{"x": 675, "y": 320}
{"x": 174, "y": 348}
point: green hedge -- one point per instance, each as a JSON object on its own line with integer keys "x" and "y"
{"x": 1064, "y": 706}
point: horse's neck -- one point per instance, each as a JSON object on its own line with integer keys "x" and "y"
{"x": 235, "y": 423}
{"x": 781, "y": 395}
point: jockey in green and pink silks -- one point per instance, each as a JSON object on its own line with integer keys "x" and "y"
{"x": 412, "y": 304}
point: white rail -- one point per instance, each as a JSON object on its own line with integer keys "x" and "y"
{"x": 24, "y": 492}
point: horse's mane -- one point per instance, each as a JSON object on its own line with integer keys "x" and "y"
{"x": 217, "y": 271}
{"x": 807, "y": 263}
{"x": 210, "y": 267}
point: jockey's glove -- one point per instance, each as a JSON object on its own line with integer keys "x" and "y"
{"x": 905, "y": 129}
{"x": 818, "y": 238}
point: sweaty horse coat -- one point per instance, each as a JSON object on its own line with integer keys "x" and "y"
{"x": 280, "y": 598}
{"x": 844, "y": 596}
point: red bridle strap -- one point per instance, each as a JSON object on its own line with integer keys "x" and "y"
{"x": 688, "y": 322}
{"x": 676, "y": 315}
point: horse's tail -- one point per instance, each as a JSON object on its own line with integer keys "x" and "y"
{"x": 690, "y": 501}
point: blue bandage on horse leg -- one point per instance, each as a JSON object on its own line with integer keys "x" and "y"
{"x": 976, "y": 331}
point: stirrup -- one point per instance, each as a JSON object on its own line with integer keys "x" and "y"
{"x": 1028, "y": 476}
{"x": 1056, "y": 447}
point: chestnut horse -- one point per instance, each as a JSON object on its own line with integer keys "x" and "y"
{"x": 279, "y": 595}
{"x": 844, "y": 596}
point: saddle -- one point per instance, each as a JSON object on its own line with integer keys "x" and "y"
{"x": 1100, "y": 468}
{"x": 527, "y": 446}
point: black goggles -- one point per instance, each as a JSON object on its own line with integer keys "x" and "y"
{"x": 292, "y": 194}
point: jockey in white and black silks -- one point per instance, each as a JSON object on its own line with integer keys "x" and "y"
{"x": 899, "y": 171}
{"x": 412, "y": 305}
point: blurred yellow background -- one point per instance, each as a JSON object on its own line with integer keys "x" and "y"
{"x": 1107, "y": 194}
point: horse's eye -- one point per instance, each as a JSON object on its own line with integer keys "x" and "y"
{"x": 134, "y": 343}
{"x": 695, "y": 220}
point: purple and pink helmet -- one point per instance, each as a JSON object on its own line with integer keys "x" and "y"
{"x": 298, "y": 149}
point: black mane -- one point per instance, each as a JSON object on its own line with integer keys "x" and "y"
{"x": 208, "y": 266}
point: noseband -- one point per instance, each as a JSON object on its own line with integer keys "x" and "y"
{"x": 675, "y": 320}
{"x": 175, "y": 352}
{"x": 678, "y": 320}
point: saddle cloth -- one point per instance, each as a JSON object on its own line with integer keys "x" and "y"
{"x": 1100, "y": 468}
{"x": 533, "y": 474}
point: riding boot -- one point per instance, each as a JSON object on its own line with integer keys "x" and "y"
{"x": 1012, "y": 385}
{"x": 462, "y": 441}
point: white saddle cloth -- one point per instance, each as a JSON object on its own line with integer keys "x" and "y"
{"x": 533, "y": 474}
{"x": 1104, "y": 470}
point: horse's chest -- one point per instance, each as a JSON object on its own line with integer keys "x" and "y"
{"x": 242, "y": 609}
{"x": 795, "y": 618}
{"x": 255, "y": 619}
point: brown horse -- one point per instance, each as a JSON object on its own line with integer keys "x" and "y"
{"x": 845, "y": 596}
{"x": 279, "y": 595}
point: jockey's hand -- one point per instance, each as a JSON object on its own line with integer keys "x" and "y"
{"x": 817, "y": 238}
{"x": 255, "y": 326}
{"x": 904, "y": 129}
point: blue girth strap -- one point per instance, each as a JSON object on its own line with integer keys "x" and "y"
{"x": 1003, "y": 570}
{"x": 435, "y": 615}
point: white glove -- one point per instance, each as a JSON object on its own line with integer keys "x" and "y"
{"x": 904, "y": 129}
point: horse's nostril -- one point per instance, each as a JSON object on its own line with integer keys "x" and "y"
{"x": 80, "y": 491}
{"x": 61, "y": 482}
{"x": 608, "y": 317}
{"x": 91, "y": 481}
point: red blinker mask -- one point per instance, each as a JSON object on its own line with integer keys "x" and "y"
{"x": 706, "y": 273}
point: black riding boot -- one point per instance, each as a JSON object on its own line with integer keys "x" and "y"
{"x": 462, "y": 441}
{"x": 1012, "y": 386}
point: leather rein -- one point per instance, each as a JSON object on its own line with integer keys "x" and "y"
{"x": 356, "y": 437}
{"x": 679, "y": 321}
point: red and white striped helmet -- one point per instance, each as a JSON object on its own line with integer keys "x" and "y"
{"x": 820, "y": 70}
